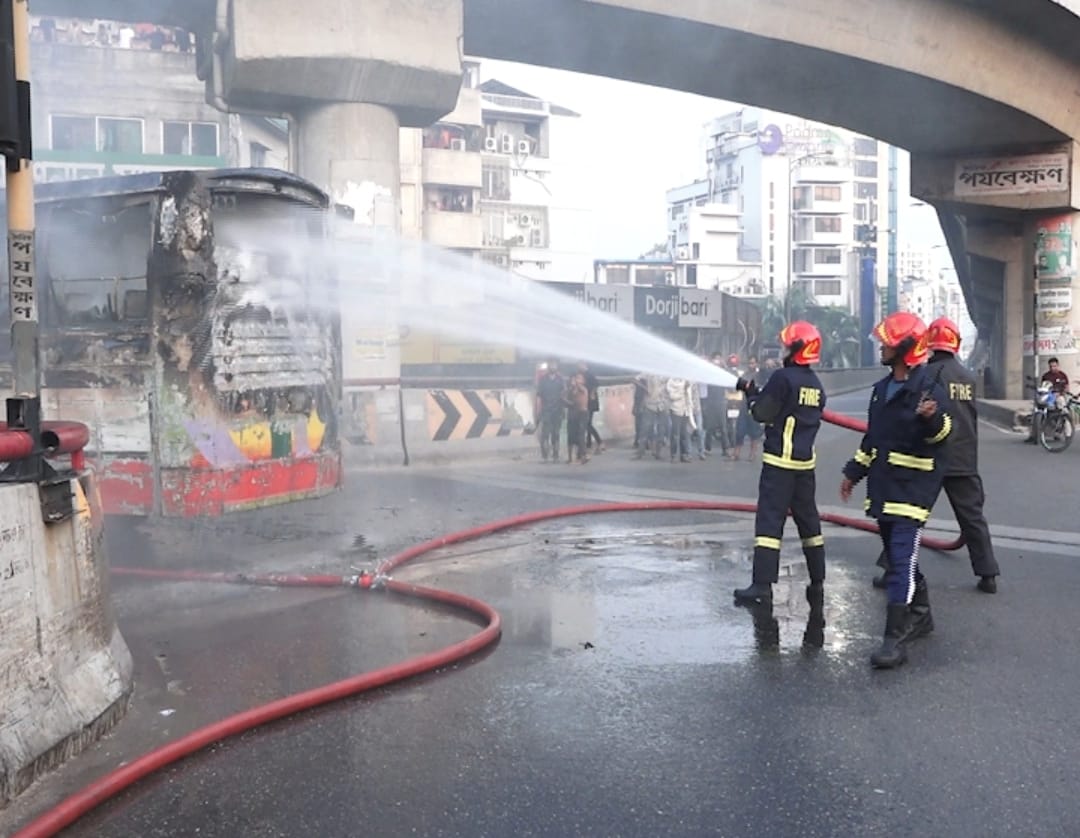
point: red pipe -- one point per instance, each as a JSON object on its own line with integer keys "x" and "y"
{"x": 849, "y": 422}
{"x": 56, "y": 438}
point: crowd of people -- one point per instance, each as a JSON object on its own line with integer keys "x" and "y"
{"x": 688, "y": 419}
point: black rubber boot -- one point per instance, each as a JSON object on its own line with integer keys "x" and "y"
{"x": 921, "y": 621}
{"x": 987, "y": 584}
{"x": 814, "y": 635}
{"x": 893, "y": 652}
{"x": 755, "y": 592}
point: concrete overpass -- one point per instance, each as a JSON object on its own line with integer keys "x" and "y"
{"x": 952, "y": 81}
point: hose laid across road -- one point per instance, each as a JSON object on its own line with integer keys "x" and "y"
{"x": 74, "y": 807}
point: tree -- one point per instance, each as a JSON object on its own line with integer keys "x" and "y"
{"x": 840, "y": 337}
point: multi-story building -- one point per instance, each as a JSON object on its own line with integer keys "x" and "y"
{"x": 812, "y": 199}
{"x": 111, "y": 98}
{"x": 703, "y": 241}
{"x": 441, "y": 178}
{"x": 494, "y": 180}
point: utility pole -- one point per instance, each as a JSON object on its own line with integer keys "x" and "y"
{"x": 24, "y": 409}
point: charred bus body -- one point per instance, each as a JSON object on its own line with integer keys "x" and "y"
{"x": 186, "y": 319}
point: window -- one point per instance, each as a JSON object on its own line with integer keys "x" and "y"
{"x": 865, "y": 147}
{"x": 827, "y": 193}
{"x": 198, "y": 139}
{"x": 866, "y": 168}
{"x": 97, "y": 133}
{"x": 448, "y": 199}
{"x": 89, "y": 284}
{"x": 828, "y": 224}
{"x": 865, "y": 190}
{"x": 496, "y": 179}
{"x": 828, "y": 287}
{"x": 828, "y": 256}
{"x": 74, "y": 133}
{"x": 860, "y": 212}
{"x": 696, "y": 250}
{"x": 120, "y": 136}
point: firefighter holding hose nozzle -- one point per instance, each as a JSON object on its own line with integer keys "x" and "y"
{"x": 790, "y": 406}
{"x": 902, "y": 458}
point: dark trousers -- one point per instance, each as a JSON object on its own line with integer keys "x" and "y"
{"x": 593, "y": 434}
{"x": 901, "y": 541}
{"x": 550, "y": 427}
{"x": 781, "y": 489}
{"x": 680, "y": 436}
{"x": 576, "y": 432}
{"x": 965, "y": 493}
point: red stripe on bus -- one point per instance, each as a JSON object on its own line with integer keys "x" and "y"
{"x": 192, "y": 493}
{"x": 126, "y": 486}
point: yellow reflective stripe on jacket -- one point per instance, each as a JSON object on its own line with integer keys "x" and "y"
{"x": 788, "y": 463}
{"x": 905, "y": 510}
{"x": 814, "y": 541}
{"x": 864, "y": 458}
{"x": 946, "y": 429}
{"x": 911, "y": 461}
{"x": 789, "y": 438}
{"x": 766, "y": 542}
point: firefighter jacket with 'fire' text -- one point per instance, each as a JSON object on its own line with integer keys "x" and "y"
{"x": 902, "y": 455}
{"x": 959, "y": 384}
{"x": 790, "y": 407}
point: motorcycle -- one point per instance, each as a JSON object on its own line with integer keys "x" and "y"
{"x": 1052, "y": 422}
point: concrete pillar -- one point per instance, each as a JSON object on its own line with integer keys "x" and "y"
{"x": 353, "y": 151}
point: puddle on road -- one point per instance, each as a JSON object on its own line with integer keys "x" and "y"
{"x": 643, "y": 596}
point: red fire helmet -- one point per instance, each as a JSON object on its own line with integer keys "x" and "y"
{"x": 803, "y": 342}
{"x": 906, "y": 332}
{"x": 943, "y": 335}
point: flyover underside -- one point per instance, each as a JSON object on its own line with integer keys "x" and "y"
{"x": 905, "y": 109}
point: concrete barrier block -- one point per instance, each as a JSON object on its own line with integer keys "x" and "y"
{"x": 65, "y": 671}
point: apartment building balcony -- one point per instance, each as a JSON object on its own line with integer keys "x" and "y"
{"x": 453, "y": 229}
{"x": 451, "y": 167}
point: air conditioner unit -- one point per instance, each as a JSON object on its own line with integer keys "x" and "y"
{"x": 457, "y": 145}
{"x": 524, "y": 147}
{"x": 501, "y": 260}
{"x": 669, "y": 277}
{"x": 525, "y": 220}
{"x": 536, "y": 237}
{"x": 508, "y": 143}
{"x": 684, "y": 253}
{"x": 491, "y": 144}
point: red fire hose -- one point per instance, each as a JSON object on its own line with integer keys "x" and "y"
{"x": 74, "y": 807}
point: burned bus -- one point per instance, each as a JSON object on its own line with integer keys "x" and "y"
{"x": 186, "y": 319}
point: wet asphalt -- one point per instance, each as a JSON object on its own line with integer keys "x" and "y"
{"x": 627, "y": 696}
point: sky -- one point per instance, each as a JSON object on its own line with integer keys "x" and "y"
{"x": 642, "y": 141}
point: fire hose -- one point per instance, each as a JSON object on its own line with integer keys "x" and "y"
{"x": 98, "y": 792}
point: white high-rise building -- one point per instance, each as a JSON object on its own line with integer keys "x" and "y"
{"x": 813, "y": 200}
{"x": 703, "y": 241}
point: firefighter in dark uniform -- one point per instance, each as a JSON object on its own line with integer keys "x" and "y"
{"x": 790, "y": 406}
{"x": 902, "y": 458}
{"x": 963, "y": 486}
